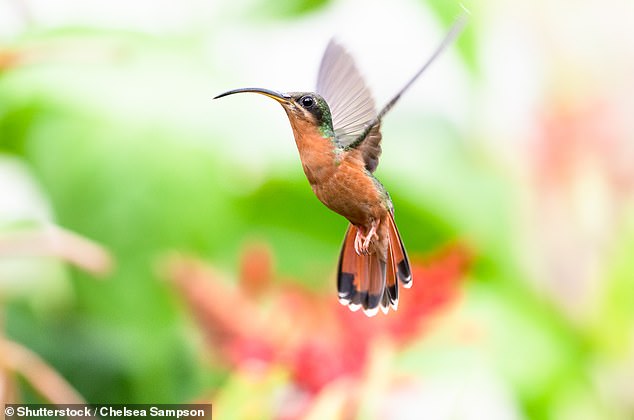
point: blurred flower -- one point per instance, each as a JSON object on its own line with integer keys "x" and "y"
{"x": 582, "y": 182}
{"x": 8, "y": 59}
{"x": 318, "y": 341}
{"x": 256, "y": 270}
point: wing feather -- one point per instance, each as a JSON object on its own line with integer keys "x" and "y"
{"x": 340, "y": 83}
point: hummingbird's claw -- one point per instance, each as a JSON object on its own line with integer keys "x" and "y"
{"x": 362, "y": 242}
{"x": 371, "y": 235}
{"x": 359, "y": 240}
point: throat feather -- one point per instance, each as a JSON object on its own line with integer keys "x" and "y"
{"x": 316, "y": 151}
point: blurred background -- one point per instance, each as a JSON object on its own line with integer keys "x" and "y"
{"x": 157, "y": 246}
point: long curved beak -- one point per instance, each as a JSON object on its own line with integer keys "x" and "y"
{"x": 278, "y": 96}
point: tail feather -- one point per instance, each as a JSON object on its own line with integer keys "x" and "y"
{"x": 403, "y": 270}
{"x": 391, "y": 285}
{"x": 347, "y": 270}
{"x": 375, "y": 284}
{"x": 370, "y": 281}
{"x": 385, "y": 303}
{"x": 362, "y": 280}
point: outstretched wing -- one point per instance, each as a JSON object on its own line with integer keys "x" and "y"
{"x": 355, "y": 121}
{"x": 351, "y": 104}
{"x": 366, "y": 135}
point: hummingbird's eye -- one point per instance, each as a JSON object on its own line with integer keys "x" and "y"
{"x": 307, "y": 101}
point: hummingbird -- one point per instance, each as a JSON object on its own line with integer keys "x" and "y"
{"x": 338, "y": 136}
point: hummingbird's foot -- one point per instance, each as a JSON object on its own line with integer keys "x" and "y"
{"x": 362, "y": 242}
{"x": 358, "y": 243}
{"x": 371, "y": 235}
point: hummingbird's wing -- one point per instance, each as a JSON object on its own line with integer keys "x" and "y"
{"x": 371, "y": 148}
{"x": 371, "y": 126}
{"x": 342, "y": 86}
{"x": 350, "y": 101}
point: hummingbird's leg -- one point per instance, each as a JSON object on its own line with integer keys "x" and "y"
{"x": 371, "y": 234}
{"x": 362, "y": 242}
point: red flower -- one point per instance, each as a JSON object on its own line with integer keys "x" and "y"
{"x": 318, "y": 339}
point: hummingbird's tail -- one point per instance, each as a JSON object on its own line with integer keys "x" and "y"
{"x": 370, "y": 281}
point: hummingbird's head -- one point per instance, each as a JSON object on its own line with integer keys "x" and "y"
{"x": 301, "y": 107}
